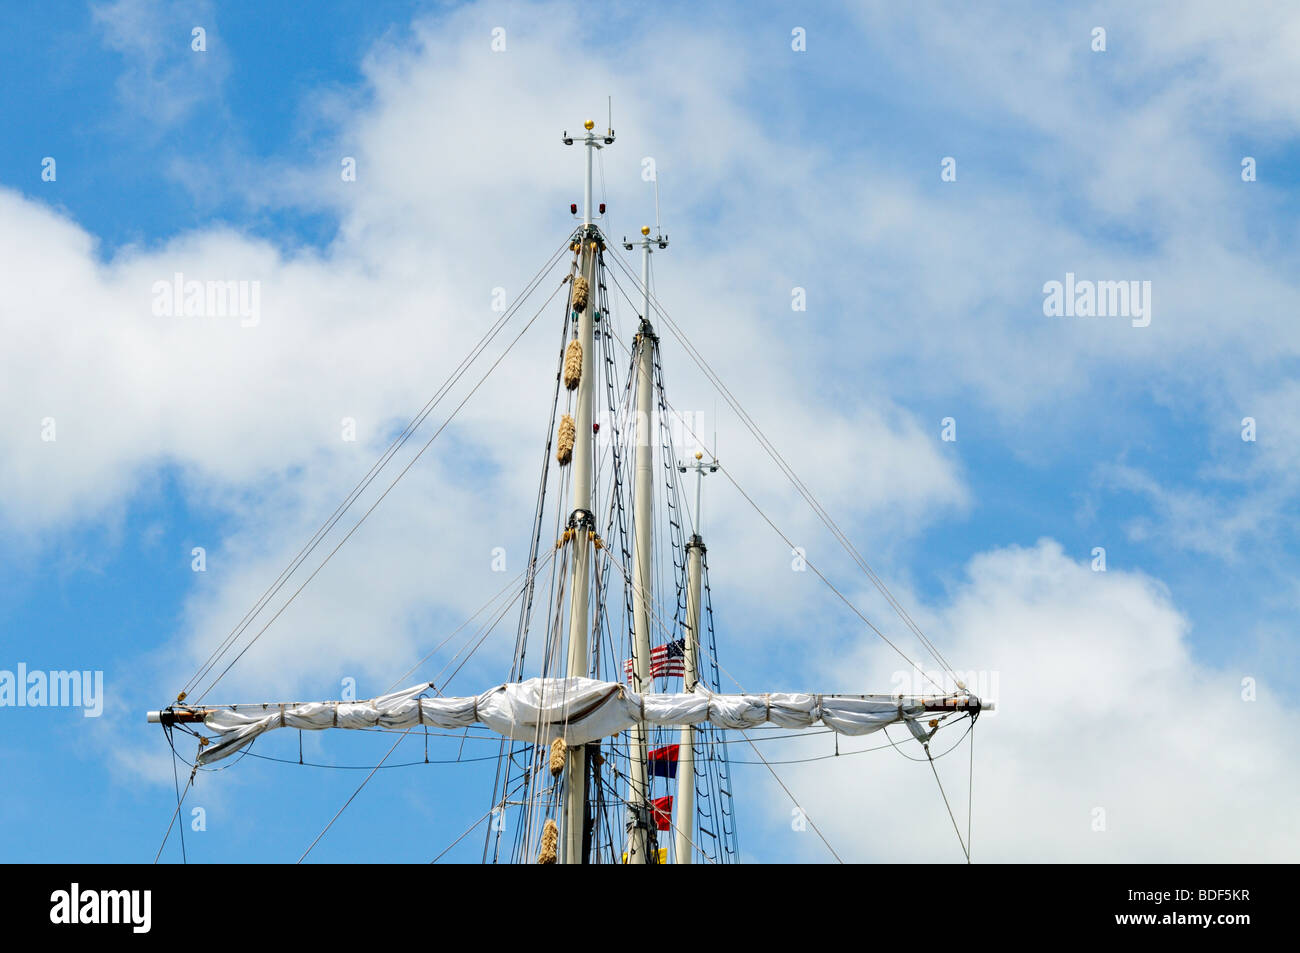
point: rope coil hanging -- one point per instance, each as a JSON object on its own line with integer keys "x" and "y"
{"x": 565, "y": 438}
{"x": 550, "y": 843}
{"x": 573, "y": 364}
{"x": 580, "y": 291}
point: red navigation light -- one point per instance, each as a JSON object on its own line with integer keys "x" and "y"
{"x": 595, "y": 428}
{"x": 573, "y": 208}
{"x": 602, "y": 208}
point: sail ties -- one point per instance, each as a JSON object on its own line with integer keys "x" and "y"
{"x": 573, "y": 364}
{"x": 568, "y": 433}
{"x": 581, "y": 710}
{"x": 919, "y": 733}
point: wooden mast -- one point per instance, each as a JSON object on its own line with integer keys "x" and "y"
{"x": 684, "y": 840}
{"x": 581, "y": 519}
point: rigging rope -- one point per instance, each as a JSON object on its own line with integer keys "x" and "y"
{"x": 805, "y": 814}
{"x": 385, "y": 493}
{"x": 951, "y": 816}
{"x": 970, "y": 791}
{"x": 788, "y": 471}
{"x": 505, "y": 763}
{"x": 180, "y": 799}
{"x": 508, "y": 587}
{"x": 354, "y": 795}
{"x": 492, "y": 810}
{"x": 370, "y": 476}
{"x": 177, "y": 785}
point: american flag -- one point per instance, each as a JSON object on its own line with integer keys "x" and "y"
{"x": 666, "y": 661}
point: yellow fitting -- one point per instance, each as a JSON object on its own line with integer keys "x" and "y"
{"x": 557, "y": 757}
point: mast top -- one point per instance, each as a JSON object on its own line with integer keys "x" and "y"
{"x": 700, "y": 468}
{"x": 592, "y": 142}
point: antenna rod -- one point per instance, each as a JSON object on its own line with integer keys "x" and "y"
{"x": 586, "y": 188}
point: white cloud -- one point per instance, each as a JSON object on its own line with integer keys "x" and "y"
{"x": 461, "y": 188}
{"x": 1100, "y": 705}
{"x": 163, "y": 79}
{"x": 1195, "y": 521}
{"x": 449, "y": 204}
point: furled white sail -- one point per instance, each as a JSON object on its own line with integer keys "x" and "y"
{"x": 577, "y": 709}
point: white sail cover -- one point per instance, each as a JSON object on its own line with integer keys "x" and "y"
{"x": 578, "y": 710}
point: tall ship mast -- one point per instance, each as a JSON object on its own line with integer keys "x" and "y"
{"x": 613, "y": 722}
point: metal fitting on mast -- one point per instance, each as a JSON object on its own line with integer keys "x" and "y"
{"x": 700, "y": 468}
{"x": 592, "y": 142}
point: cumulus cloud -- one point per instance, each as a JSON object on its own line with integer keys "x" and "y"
{"x": 1104, "y": 718}
{"x": 462, "y": 188}
{"x": 163, "y": 75}
{"x": 248, "y": 409}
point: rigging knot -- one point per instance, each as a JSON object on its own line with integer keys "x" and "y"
{"x": 638, "y": 817}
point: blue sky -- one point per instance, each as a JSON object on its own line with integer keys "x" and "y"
{"x": 779, "y": 169}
